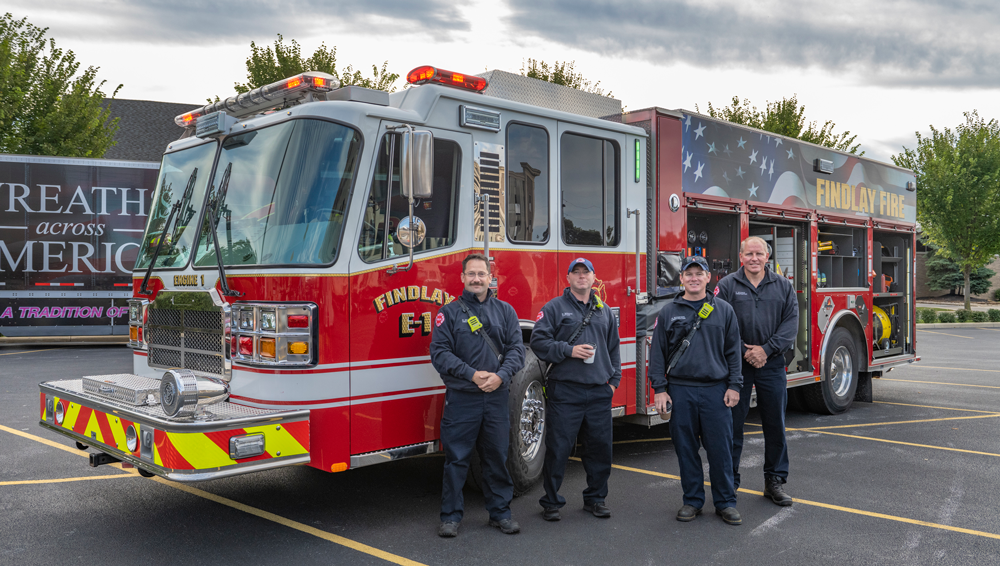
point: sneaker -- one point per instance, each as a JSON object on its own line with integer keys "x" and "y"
{"x": 506, "y": 526}
{"x": 599, "y": 509}
{"x": 448, "y": 529}
{"x": 551, "y": 514}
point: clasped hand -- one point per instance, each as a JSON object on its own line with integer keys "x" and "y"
{"x": 487, "y": 381}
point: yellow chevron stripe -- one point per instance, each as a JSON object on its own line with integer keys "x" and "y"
{"x": 93, "y": 427}
{"x": 156, "y": 455}
{"x": 71, "y": 414}
{"x": 199, "y": 451}
{"x": 118, "y": 431}
{"x": 278, "y": 442}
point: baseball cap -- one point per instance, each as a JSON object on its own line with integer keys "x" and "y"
{"x": 694, "y": 260}
{"x": 578, "y": 261}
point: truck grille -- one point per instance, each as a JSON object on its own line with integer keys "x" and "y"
{"x": 190, "y": 339}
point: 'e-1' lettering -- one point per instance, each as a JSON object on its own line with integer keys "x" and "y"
{"x": 410, "y": 322}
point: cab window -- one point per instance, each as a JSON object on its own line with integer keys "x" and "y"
{"x": 386, "y": 204}
{"x": 591, "y": 195}
{"x": 527, "y": 184}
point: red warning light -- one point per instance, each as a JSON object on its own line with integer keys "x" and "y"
{"x": 427, "y": 74}
{"x": 294, "y": 82}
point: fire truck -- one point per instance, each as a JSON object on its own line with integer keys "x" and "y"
{"x": 302, "y": 237}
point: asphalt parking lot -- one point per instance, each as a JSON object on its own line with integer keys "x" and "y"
{"x": 910, "y": 479}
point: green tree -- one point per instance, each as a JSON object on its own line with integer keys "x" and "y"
{"x": 944, "y": 274}
{"x": 46, "y": 108}
{"x": 958, "y": 191}
{"x": 266, "y": 65}
{"x": 561, "y": 74}
{"x": 787, "y": 118}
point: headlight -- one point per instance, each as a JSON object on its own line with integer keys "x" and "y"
{"x": 60, "y": 413}
{"x": 182, "y": 392}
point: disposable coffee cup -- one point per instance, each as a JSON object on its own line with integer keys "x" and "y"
{"x": 590, "y": 360}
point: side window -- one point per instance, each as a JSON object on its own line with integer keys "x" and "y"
{"x": 527, "y": 184}
{"x": 439, "y": 213}
{"x": 591, "y": 195}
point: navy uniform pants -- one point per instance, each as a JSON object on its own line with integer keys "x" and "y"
{"x": 700, "y": 415}
{"x": 476, "y": 421}
{"x": 772, "y": 399}
{"x": 577, "y": 411}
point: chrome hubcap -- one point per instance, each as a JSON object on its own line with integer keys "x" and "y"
{"x": 841, "y": 371}
{"x": 532, "y": 423}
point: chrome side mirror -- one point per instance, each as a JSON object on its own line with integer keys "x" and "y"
{"x": 410, "y": 234}
{"x": 417, "y": 161}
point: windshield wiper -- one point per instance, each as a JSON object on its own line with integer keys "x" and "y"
{"x": 166, "y": 227}
{"x": 212, "y": 213}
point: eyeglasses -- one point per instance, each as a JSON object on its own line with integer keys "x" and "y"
{"x": 476, "y": 274}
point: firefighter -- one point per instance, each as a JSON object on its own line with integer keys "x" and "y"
{"x": 703, "y": 384}
{"x": 767, "y": 310}
{"x": 477, "y": 348}
{"x": 578, "y": 334}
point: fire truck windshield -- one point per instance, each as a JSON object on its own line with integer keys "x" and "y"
{"x": 287, "y": 195}
{"x": 183, "y": 178}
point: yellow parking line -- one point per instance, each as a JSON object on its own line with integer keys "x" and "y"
{"x": 67, "y": 480}
{"x": 835, "y": 507}
{"x": 859, "y": 425}
{"x": 370, "y": 550}
{"x": 29, "y": 351}
{"x": 950, "y": 369}
{"x": 941, "y": 383}
{"x": 907, "y": 443}
{"x": 945, "y": 334}
{"x": 935, "y": 407}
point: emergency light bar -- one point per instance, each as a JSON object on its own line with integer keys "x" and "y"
{"x": 265, "y": 97}
{"x": 428, "y": 74}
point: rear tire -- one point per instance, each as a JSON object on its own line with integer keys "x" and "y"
{"x": 835, "y": 394}
{"x": 144, "y": 473}
{"x": 81, "y": 446}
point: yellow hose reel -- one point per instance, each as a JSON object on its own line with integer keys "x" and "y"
{"x": 881, "y": 327}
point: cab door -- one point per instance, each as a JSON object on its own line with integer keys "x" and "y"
{"x": 592, "y": 224}
{"x": 396, "y": 396}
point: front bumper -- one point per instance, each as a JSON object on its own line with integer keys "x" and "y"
{"x": 191, "y": 449}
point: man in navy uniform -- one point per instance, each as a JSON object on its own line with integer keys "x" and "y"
{"x": 477, "y": 348}
{"x": 703, "y": 385}
{"x": 768, "y": 313}
{"x": 578, "y": 335}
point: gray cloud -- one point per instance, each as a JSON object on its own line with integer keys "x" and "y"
{"x": 900, "y": 43}
{"x": 213, "y": 21}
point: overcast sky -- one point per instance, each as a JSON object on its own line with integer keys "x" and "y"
{"x": 882, "y": 70}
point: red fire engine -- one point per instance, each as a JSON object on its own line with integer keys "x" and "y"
{"x": 303, "y": 236}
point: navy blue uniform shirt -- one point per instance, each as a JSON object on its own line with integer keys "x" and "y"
{"x": 714, "y": 353}
{"x": 557, "y": 322}
{"x": 457, "y": 354}
{"x": 768, "y": 314}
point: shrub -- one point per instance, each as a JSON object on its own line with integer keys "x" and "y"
{"x": 929, "y": 316}
{"x": 979, "y": 316}
{"x": 996, "y": 295}
{"x": 963, "y": 315}
{"x": 946, "y": 316}
{"x": 993, "y": 315}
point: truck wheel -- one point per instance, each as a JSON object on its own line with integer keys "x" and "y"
{"x": 836, "y": 393}
{"x": 527, "y": 425}
{"x": 527, "y": 430}
{"x": 81, "y": 446}
{"x": 144, "y": 473}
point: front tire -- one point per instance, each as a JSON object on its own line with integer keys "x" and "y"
{"x": 835, "y": 394}
{"x": 527, "y": 425}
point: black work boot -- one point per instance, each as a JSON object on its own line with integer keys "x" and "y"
{"x": 775, "y": 492}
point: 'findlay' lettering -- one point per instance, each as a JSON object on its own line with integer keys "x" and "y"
{"x": 858, "y": 198}
{"x": 411, "y": 293}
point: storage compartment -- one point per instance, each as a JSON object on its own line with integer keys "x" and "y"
{"x": 891, "y": 293}
{"x": 716, "y": 238}
{"x": 842, "y": 254}
{"x": 790, "y": 258}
